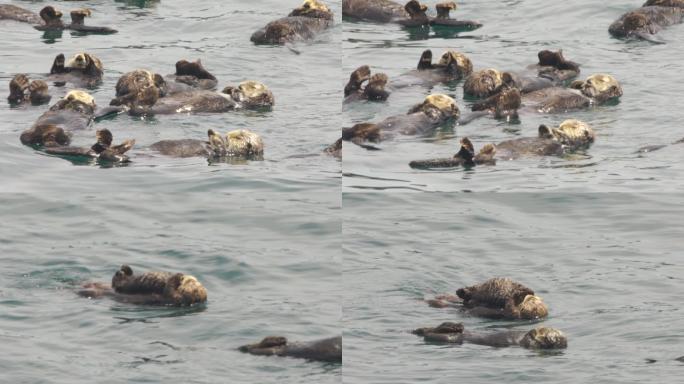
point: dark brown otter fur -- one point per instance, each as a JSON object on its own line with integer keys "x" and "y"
{"x": 537, "y": 338}
{"x": 102, "y": 150}
{"x": 194, "y": 75}
{"x": 12, "y": 12}
{"x": 303, "y": 23}
{"x": 373, "y": 90}
{"x": 335, "y": 149}
{"x": 665, "y": 3}
{"x": 326, "y": 350}
{"x": 645, "y": 22}
{"x": 382, "y": 11}
{"x": 52, "y": 127}
{"x": 21, "y": 90}
{"x": 444, "y": 19}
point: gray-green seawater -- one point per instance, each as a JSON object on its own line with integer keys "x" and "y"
{"x": 263, "y": 237}
{"x": 649, "y": 113}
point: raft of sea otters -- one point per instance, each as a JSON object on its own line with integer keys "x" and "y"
{"x": 547, "y": 86}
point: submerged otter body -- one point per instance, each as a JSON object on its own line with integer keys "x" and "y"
{"x": 381, "y": 11}
{"x": 239, "y": 143}
{"x": 12, "y": 12}
{"x": 303, "y": 23}
{"x": 82, "y": 70}
{"x": 151, "y": 288}
{"x": 454, "y": 333}
{"x": 52, "y": 129}
{"x": 326, "y": 350}
{"x": 645, "y": 22}
{"x": 423, "y": 118}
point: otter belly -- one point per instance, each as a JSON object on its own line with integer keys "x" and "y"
{"x": 497, "y": 339}
{"x": 194, "y": 102}
{"x": 328, "y": 350}
{"x": 290, "y": 29}
{"x": 556, "y": 99}
{"x": 182, "y": 148}
{"x": 382, "y": 11}
{"x": 413, "y": 124}
{"x": 528, "y": 146}
{"x": 12, "y": 12}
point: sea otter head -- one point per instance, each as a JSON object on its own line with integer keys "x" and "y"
{"x": 556, "y": 60}
{"x": 185, "y": 290}
{"x": 415, "y": 9}
{"x": 251, "y": 95}
{"x": 443, "y": 9}
{"x": 356, "y": 79}
{"x": 242, "y": 142}
{"x": 195, "y": 68}
{"x": 456, "y": 64}
{"x": 139, "y": 88}
{"x": 78, "y": 15}
{"x": 600, "y": 87}
{"x": 271, "y": 345}
{"x": 483, "y": 83}
{"x": 532, "y": 307}
{"x": 51, "y": 16}
{"x": 375, "y": 89}
{"x": 314, "y": 9}
{"x": 634, "y": 21}
{"x": 438, "y": 107}
{"x": 76, "y": 100}
{"x": 570, "y": 132}
{"x": 47, "y": 135}
{"x": 121, "y": 276}
{"x": 85, "y": 62}
{"x": 544, "y": 338}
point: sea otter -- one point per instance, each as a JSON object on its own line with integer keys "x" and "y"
{"x": 571, "y": 135}
{"x": 645, "y": 22}
{"x": 413, "y": 13}
{"x": 73, "y": 112}
{"x": 151, "y": 288}
{"x": 500, "y": 298}
{"x": 373, "y": 90}
{"x": 142, "y": 92}
{"x": 77, "y": 23}
{"x": 102, "y": 150}
{"x": 452, "y": 66}
{"x": 421, "y": 119}
{"x": 595, "y": 90}
{"x": 190, "y": 75}
{"x": 665, "y": 3}
{"x": 238, "y": 143}
{"x": 23, "y": 90}
{"x": 444, "y": 19}
{"x": 326, "y": 350}
{"x": 50, "y": 19}
{"x": 537, "y": 338}
{"x": 83, "y": 70}
{"x": 302, "y": 23}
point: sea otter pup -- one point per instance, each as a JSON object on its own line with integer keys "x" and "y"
{"x": 73, "y": 112}
{"x": 537, "y": 338}
{"x": 421, "y": 119}
{"x": 645, "y": 22}
{"x": 412, "y": 14}
{"x": 374, "y": 90}
{"x": 571, "y": 135}
{"x": 302, "y": 23}
{"x": 151, "y": 288}
{"x": 444, "y": 19}
{"x": 142, "y": 92}
{"x": 21, "y": 91}
{"x": 238, "y": 143}
{"x": 102, "y": 150}
{"x": 83, "y": 70}
{"x": 326, "y": 350}
{"x": 595, "y": 90}
{"x": 500, "y": 298}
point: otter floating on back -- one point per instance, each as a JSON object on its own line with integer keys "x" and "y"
{"x": 452, "y": 66}
{"x": 150, "y": 288}
{"x": 50, "y": 19}
{"x": 239, "y": 143}
{"x": 645, "y": 22}
{"x": 303, "y": 23}
{"x": 83, "y": 70}
{"x": 454, "y": 333}
{"x": 326, "y": 350}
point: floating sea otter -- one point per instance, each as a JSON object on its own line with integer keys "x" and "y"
{"x": 142, "y": 92}
{"x": 423, "y": 118}
{"x": 302, "y": 23}
{"x": 570, "y": 136}
{"x": 454, "y": 333}
{"x": 373, "y": 90}
{"x": 452, "y": 66}
{"x": 444, "y": 19}
{"x": 239, "y": 143}
{"x": 74, "y": 112}
{"x": 23, "y": 90}
{"x": 102, "y": 150}
{"x": 645, "y": 22}
{"x": 150, "y": 288}
{"x": 497, "y": 298}
{"x": 50, "y": 19}
{"x": 326, "y": 350}
{"x": 411, "y": 14}
{"x": 82, "y": 70}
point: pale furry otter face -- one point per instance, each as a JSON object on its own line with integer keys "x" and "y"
{"x": 240, "y": 142}
{"x": 312, "y": 8}
{"x": 532, "y": 307}
{"x": 483, "y": 83}
{"x": 437, "y": 107}
{"x": 251, "y": 94}
{"x": 139, "y": 88}
{"x": 544, "y": 338}
{"x": 457, "y": 64}
{"x": 76, "y": 100}
{"x": 600, "y": 87}
{"x": 185, "y": 290}
{"x": 570, "y": 132}
{"x": 85, "y": 61}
